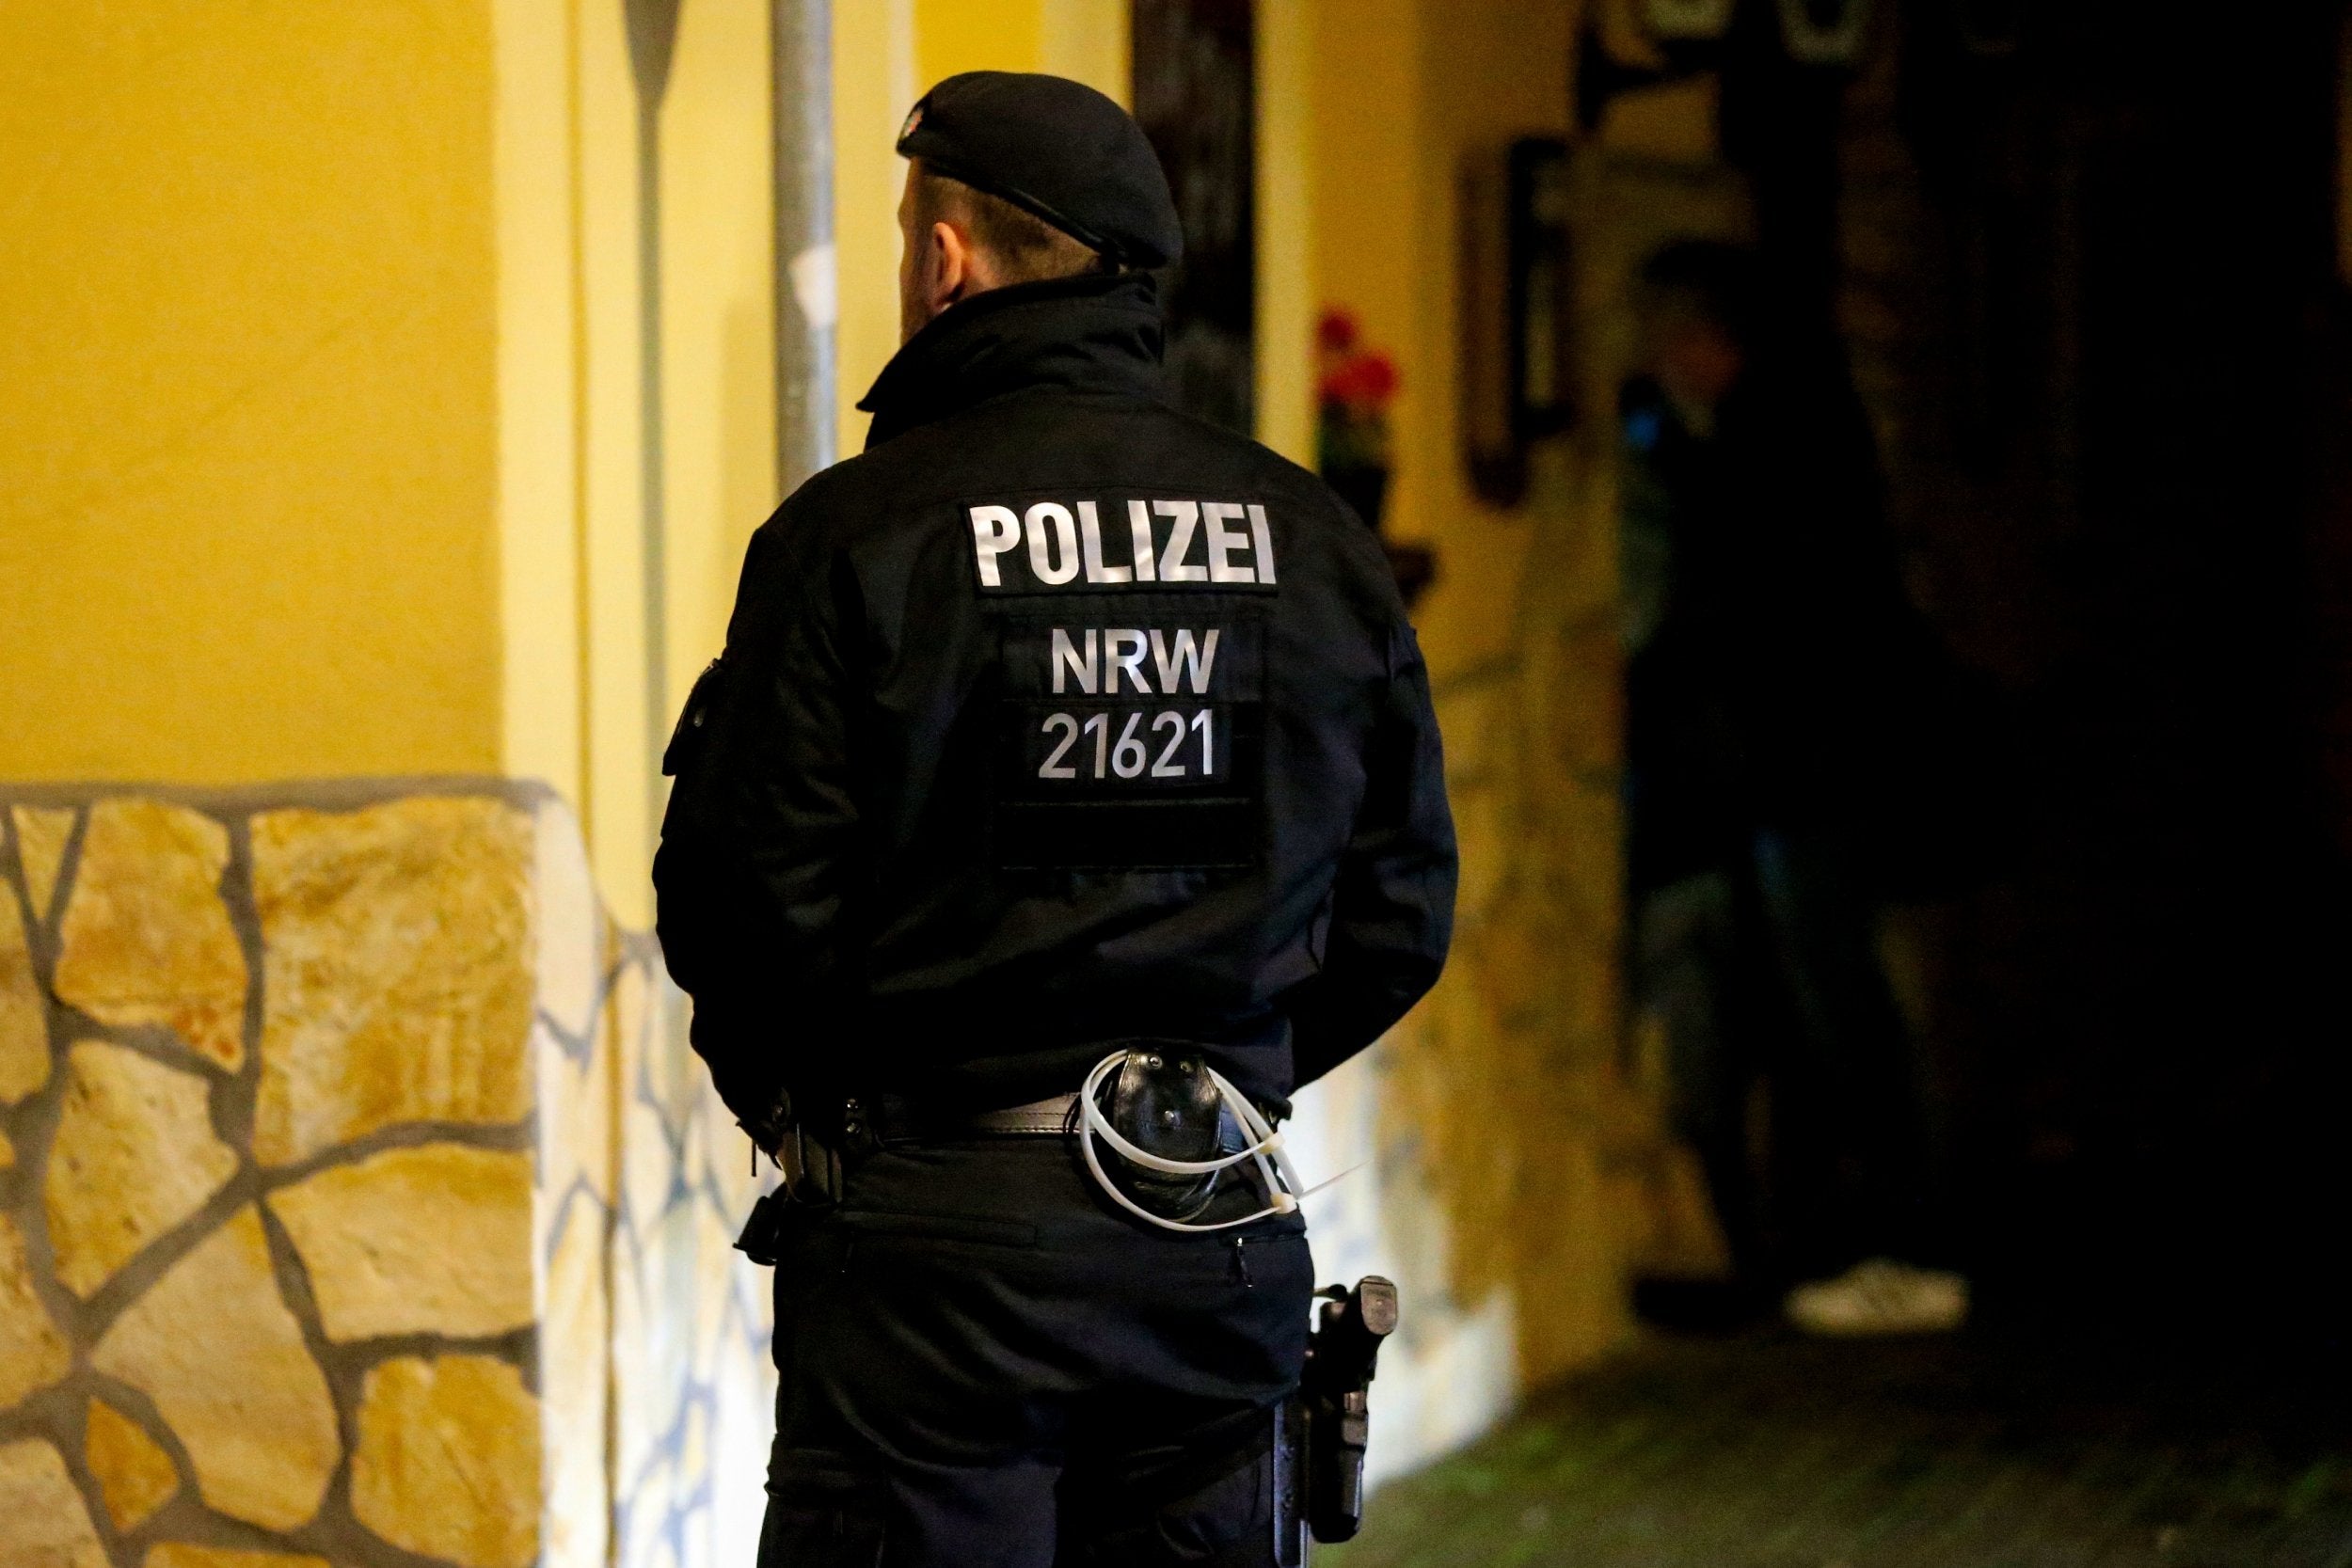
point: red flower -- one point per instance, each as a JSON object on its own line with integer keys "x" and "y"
{"x": 1362, "y": 380}
{"x": 1335, "y": 333}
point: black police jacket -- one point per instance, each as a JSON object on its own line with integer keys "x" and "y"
{"x": 1057, "y": 718}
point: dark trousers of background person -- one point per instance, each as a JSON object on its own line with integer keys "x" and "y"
{"x": 985, "y": 1365}
{"x": 1765, "y": 969}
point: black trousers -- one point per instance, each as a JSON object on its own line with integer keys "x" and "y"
{"x": 984, "y": 1364}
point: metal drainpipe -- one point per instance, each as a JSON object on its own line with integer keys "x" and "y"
{"x": 801, "y": 88}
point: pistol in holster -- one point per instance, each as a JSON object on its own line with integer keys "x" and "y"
{"x": 1322, "y": 1429}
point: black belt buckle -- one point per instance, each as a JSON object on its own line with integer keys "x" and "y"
{"x": 1163, "y": 1099}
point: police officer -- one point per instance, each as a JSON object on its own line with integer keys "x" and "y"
{"x": 1060, "y": 739}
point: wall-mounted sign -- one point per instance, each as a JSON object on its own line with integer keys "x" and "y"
{"x": 1517, "y": 383}
{"x": 1686, "y": 19}
{"x": 1824, "y": 32}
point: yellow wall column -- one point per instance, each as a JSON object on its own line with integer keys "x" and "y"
{"x": 538, "y": 282}
{"x": 874, "y": 84}
{"x": 718, "y": 322}
{"x": 1286, "y": 303}
{"x": 615, "y": 803}
{"x": 616, "y": 594}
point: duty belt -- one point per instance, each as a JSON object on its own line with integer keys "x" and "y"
{"x": 1172, "y": 1123}
{"x": 898, "y": 1117}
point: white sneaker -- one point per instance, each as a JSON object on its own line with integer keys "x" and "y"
{"x": 1881, "y": 1296}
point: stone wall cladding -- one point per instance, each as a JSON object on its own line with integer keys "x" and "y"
{"x": 360, "y": 1205}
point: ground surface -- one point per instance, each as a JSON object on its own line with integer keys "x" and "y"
{"x": 1774, "y": 1452}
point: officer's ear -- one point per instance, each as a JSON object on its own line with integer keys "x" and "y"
{"x": 942, "y": 264}
{"x": 948, "y": 268}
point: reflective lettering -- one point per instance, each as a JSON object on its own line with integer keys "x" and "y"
{"x": 1265, "y": 538}
{"x": 994, "y": 531}
{"x": 1090, "y": 536}
{"x": 1127, "y": 753}
{"x": 1199, "y": 660}
{"x": 1224, "y": 541}
{"x": 1140, "y": 540}
{"x": 1127, "y": 757}
{"x": 1167, "y": 767}
{"x": 1122, "y": 649}
{"x": 1053, "y": 567}
{"x": 1065, "y": 660}
{"x": 1173, "y": 568}
{"x": 1052, "y": 768}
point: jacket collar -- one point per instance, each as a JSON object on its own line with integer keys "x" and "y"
{"x": 1095, "y": 333}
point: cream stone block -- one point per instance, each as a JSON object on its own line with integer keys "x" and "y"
{"x": 446, "y": 1462}
{"x": 647, "y": 1507}
{"x": 432, "y": 1240}
{"x": 651, "y": 1162}
{"x": 214, "y": 1347}
{"x": 134, "y": 1155}
{"x": 574, "y": 1352}
{"x": 23, "y": 1018}
{"x": 41, "y": 835}
{"x": 637, "y": 1407}
{"x": 654, "y": 1360}
{"x": 576, "y": 1115}
{"x": 399, "y": 948}
{"x": 145, "y": 937}
{"x": 134, "y": 1476}
{"x": 714, "y": 1274}
{"x": 43, "y": 1521}
{"x": 735, "y": 1173}
{"x": 569, "y": 951}
{"x": 33, "y": 1354}
{"x": 179, "y": 1554}
{"x": 743, "y": 1391}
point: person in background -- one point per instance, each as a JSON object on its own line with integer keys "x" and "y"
{"x": 1771, "y": 654}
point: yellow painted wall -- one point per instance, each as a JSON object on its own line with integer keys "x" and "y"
{"x": 246, "y": 391}
{"x": 586, "y": 704}
{"x": 886, "y": 53}
{"x": 320, "y": 392}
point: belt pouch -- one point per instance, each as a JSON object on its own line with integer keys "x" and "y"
{"x": 1165, "y": 1104}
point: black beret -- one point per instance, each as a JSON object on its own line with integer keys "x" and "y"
{"x": 1056, "y": 149}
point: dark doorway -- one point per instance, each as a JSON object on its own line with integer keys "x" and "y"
{"x": 1196, "y": 100}
{"x": 2108, "y": 373}
{"x": 2081, "y": 261}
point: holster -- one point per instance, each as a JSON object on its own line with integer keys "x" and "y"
{"x": 1322, "y": 1431}
{"x": 811, "y": 1179}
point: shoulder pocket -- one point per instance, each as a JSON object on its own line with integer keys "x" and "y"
{"x": 693, "y": 722}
